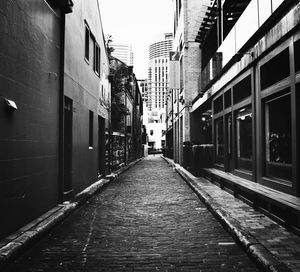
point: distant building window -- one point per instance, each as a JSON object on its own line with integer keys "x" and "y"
{"x": 102, "y": 91}
{"x": 179, "y": 6}
{"x": 91, "y": 129}
{"x": 87, "y": 43}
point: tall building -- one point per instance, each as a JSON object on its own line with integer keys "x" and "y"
{"x": 143, "y": 89}
{"x": 158, "y": 70}
{"x": 123, "y": 52}
{"x": 246, "y": 106}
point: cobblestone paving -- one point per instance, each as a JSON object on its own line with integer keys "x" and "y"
{"x": 147, "y": 220}
{"x": 283, "y": 244}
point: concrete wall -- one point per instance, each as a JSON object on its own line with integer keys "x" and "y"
{"x": 30, "y": 76}
{"x": 84, "y": 87}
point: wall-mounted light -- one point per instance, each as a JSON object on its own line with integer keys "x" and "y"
{"x": 10, "y": 104}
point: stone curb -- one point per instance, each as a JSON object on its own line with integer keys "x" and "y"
{"x": 16, "y": 243}
{"x": 261, "y": 255}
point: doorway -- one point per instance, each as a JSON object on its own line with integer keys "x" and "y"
{"x": 101, "y": 146}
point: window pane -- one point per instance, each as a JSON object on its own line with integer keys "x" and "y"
{"x": 227, "y": 98}
{"x": 244, "y": 138}
{"x": 278, "y": 137}
{"x": 242, "y": 90}
{"x": 218, "y": 104}
{"x": 275, "y": 69}
{"x": 87, "y": 45}
{"x": 219, "y": 140}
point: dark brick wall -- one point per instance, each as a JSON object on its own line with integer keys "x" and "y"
{"x": 30, "y": 76}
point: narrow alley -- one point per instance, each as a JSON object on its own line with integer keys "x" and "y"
{"x": 146, "y": 220}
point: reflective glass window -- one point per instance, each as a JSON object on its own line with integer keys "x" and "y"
{"x": 244, "y": 138}
{"x": 278, "y": 137}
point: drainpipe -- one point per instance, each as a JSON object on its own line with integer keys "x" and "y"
{"x": 65, "y": 8}
{"x": 61, "y": 109}
{"x": 125, "y": 123}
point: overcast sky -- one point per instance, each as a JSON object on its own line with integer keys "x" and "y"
{"x": 137, "y": 22}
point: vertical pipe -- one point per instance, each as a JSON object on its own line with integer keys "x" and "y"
{"x": 125, "y": 124}
{"x": 61, "y": 108}
{"x": 219, "y": 22}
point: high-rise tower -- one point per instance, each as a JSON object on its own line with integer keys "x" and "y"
{"x": 158, "y": 69}
{"x": 123, "y": 52}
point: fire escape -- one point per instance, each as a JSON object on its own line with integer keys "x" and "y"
{"x": 216, "y": 21}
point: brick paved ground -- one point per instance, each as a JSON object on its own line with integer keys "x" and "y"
{"x": 147, "y": 220}
{"x": 282, "y": 243}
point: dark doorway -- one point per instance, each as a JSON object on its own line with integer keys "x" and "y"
{"x": 68, "y": 116}
{"x": 101, "y": 146}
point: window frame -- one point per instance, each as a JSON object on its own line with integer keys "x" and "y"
{"x": 87, "y": 33}
{"x": 274, "y": 91}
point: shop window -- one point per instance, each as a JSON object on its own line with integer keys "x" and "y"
{"x": 219, "y": 140}
{"x": 297, "y": 55}
{"x": 227, "y": 99}
{"x": 218, "y": 104}
{"x": 278, "y": 137}
{"x": 244, "y": 138}
{"x": 275, "y": 69}
{"x": 242, "y": 90}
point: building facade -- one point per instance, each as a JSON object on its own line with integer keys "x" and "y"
{"x": 249, "y": 98}
{"x": 54, "y": 99}
{"x": 87, "y": 97}
{"x": 126, "y": 115}
{"x": 143, "y": 86}
{"x": 123, "y": 52}
{"x": 158, "y": 70}
{"x": 184, "y": 74}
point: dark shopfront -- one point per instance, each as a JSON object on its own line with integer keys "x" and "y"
{"x": 256, "y": 120}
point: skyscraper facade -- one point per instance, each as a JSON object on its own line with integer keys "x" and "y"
{"x": 124, "y": 53}
{"x": 143, "y": 89}
{"x": 158, "y": 70}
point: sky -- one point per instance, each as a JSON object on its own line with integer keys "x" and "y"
{"x": 139, "y": 23}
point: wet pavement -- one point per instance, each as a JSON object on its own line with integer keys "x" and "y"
{"x": 146, "y": 220}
